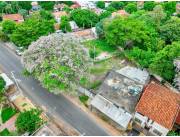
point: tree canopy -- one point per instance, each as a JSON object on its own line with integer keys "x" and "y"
{"x": 59, "y": 61}
{"x": 149, "y": 5}
{"x": 117, "y": 5}
{"x": 65, "y": 26}
{"x": 162, "y": 63}
{"x": 84, "y": 17}
{"x": 8, "y": 26}
{"x": 47, "y": 5}
{"x": 31, "y": 29}
{"x": 131, "y": 7}
{"x": 100, "y": 4}
{"x": 170, "y": 31}
{"x": 128, "y": 32}
{"x": 28, "y": 121}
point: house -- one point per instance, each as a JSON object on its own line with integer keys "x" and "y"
{"x": 74, "y": 26}
{"x": 86, "y": 34}
{"x": 59, "y": 7}
{"x": 10, "y": 86}
{"x": 86, "y": 4}
{"x": 178, "y": 8}
{"x": 14, "y": 17}
{"x": 140, "y": 5}
{"x": 98, "y": 11}
{"x": 157, "y": 109}
{"x": 75, "y": 6}
{"x": 58, "y": 15}
{"x": 119, "y": 94}
{"x": 35, "y": 6}
{"x": 120, "y": 13}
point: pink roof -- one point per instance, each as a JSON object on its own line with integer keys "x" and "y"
{"x": 14, "y": 17}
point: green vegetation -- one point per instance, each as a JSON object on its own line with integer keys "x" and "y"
{"x": 149, "y": 5}
{"x": 8, "y": 26}
{"x": 84, "y": 99}
{"x": 65, "y": 26}
{"x": 5, "y": 132}
{"x": 31, "y": 29}
{"x": 100, "y": 4}
{"x": 98, "y": 46}
{"x": 7, "y": 113}
{"x": 117, "y": 5}
{"x": 2, "y": 84}
{"x": 26, "y": 73}
{"x": 47, "y": 5}
{"x": 131, "y": 7}
{"x": 28, "y": 121}
{"x": 173, "y": 133}
{"x": 84, "y": 18}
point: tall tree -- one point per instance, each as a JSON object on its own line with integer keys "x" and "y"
{"x": 149, "y": 5}
{"x": 163, "y": 62}
{"x": 65, "y": 26}
{"x": 84, "y": 18}
{"x": 131, "y": 7}
{"x": 170, "y": 31}
{"x": 47, "y": 5}
{"x": 8, "y": 26}
{"x": 100, "y": 4}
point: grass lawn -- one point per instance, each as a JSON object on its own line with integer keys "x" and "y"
{"x": 100, "y": 46}
{"x": 7, "y": 113}
{"x": 5, "y": 132}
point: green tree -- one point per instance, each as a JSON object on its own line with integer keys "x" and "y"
{"x": 65, "y": 26}
{"x": 170, "y": 31}
{"x": 25, "y": 5}
{"x": 131, "y": 7}
{"x": 162, "y": 63}
{"x": 100, "y": 4}
{"x": 84, "y": 18}
{"x": 2, "y": 6}
{"x": 47, "y": 5}
{"x": 158, "y": 15}
{"x": 110, "y": 9}
{"x": 8, "y": 26}
{"x": 23, "y": 12}
{"x": 117, "y": 5}
{"x": 2, "y": 84}
{"x": 169, "y": 7}
{"x": 104, "y": 14}
{"x": 31, "y": 29}
{"x": 4, "y": 37}
{"x": 149, "y": 5}
{"x": 143, "y": 57}
{"x": 128, "y": 32}
{"x": 47, "y": 15}
{"x": 28, "y": 121}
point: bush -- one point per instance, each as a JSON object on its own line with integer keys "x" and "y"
{"x": 8, "y": 26}
{"x": 5, "y": 132}
{"x": 100, "y": 4}
{"x": 2, "y": 84}
{"x": 83, "y": 99}
{"x": 7, "y": 113}
{"x": 3, "y": 36}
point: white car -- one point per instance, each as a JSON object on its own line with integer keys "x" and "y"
{"x": 18, "y": 52}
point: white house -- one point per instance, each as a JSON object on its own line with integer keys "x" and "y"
{"x": 157, "y": 109}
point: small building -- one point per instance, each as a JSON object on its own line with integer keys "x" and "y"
{"x": 74, "y": 26}
{"x": 59, "y": 7}
{"x": 122, "y": 13}
{"x": 86, "y": 34}
{"x": 119, "y": 94}
{"x": 58, "y": 15}
{"x": 14, "y": 17}
{"x": 75, "y": 6}
{"x": 10, "y": 86}
{"x": 158, "y": 109}
{"x": 140, "y": 5}
{"x": 35, "y": 6}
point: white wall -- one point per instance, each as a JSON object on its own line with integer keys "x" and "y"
{"x": 152, "y": 124}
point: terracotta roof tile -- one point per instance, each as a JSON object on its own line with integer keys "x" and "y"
{"x": 14, "y": 17}
{"x": 59, "y": 14}
{"x": 120, "y": 12}
{"x": 159, "y": 104}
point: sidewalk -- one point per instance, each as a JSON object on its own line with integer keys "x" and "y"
{"x": 111, "y": 130}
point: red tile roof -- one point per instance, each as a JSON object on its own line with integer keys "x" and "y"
{"x": 14, "y": 17}
{"x": 120, "y": 13}
{"x": 159, "y": 104}
{"x": 178, "y": 119}
{"x": 59, "y": 14}
{"x": 74, "y": 6}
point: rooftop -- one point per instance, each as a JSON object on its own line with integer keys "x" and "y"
{"x": 59, "y": 14}
{"x": 121, "y": 90}
{"x": 14, "y": 17}
{"x": 159, "y": 104}
{"x": 120, "y": 13}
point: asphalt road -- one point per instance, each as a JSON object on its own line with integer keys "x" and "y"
{"x": 55, "y": 104}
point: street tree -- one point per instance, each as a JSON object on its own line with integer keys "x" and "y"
{"x": 28, "y": 121}
{"x": 2, "y": 84}
{"x": 131, "y": 7}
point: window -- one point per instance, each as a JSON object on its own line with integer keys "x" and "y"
{"x": 137, "y": 120}
{"x": 157, "y": 132}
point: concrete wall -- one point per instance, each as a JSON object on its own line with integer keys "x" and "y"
{"x": 154, "y": 127}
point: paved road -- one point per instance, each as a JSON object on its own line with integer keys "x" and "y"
{"x": 56, "y": 105}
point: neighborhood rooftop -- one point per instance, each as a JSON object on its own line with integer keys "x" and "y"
{"x": 159, "y": 104}
{"x": 122, "y": 90}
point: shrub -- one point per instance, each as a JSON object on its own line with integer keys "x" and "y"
{"x": 7, "y": 113}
